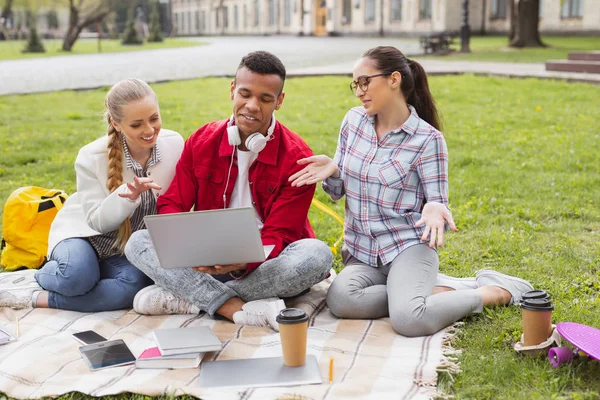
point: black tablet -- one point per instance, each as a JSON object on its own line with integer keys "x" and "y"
{"x": 107, "y": 354}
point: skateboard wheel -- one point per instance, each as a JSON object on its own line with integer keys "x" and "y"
{"x": 560, "y": 355}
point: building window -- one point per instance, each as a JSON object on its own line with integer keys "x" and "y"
{"x": 235, "y": 17}
{"x": 424, "y": 9}
{"x": 189, "y": 22}
{"x": 369, "y": 11}
{"x": 395, "y": 10}
{"x": 571, "y": 9}
{"x": 271, "y": 12}
{"x": 498, "y": 9}
{"x": 245, "y": 15}
{"x": 347, "y": 12}
{"x": 225, "y": 17}
{"x": 202, "y": 21}
{"x": 287, "y": 16}
{"x": 197, "y": 21}
{"x": 217, "y": 18}
{"x": 256, "y": 12}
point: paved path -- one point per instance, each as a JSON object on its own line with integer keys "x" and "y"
{"x": 220, "y": 56}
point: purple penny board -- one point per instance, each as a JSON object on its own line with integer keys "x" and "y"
{"x": 583, "y": 337}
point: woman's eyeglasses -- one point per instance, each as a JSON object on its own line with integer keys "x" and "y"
{"x": 363, "y": 82}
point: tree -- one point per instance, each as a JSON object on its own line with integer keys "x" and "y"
{"x": 527, "y": 31}
{"x": 83, "y": 13}
{"x": 34, "y": 43}
{"x": 156, "y": 34}
{"x": 131, "y": 34}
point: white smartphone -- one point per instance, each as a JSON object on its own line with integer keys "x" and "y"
{"x": 112, "y": 353}
{"x": 88, "y": 337}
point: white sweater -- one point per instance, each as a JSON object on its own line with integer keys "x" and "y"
{"x": 93, "y": 210}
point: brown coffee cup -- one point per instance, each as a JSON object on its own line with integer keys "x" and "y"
{"x": 293, "y": 329}
{"x": 537, "y": 320}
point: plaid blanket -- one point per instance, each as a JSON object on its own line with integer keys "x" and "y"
{"x": 370, "y": 359}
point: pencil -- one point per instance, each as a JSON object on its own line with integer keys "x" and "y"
{"x": 18, "y": 327}
{"x": 331, "y": 370}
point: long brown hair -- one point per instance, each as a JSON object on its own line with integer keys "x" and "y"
{"x": 121, "y": 94}
{"x": 414, "y": 87}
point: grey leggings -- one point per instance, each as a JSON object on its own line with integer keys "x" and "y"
{"x": 401, "y": 290}
{"x": 300, "y": 265}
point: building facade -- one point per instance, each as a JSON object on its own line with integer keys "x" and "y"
{"x": 369, "y": 17}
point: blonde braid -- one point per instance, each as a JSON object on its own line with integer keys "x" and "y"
{"x": 121, "y": 94}
{"x": 115, "y": 177}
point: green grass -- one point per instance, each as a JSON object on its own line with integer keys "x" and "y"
{"x": 495, "y": 48}
{"x": 11, "y": 50}
{"x": 524, "y": 189}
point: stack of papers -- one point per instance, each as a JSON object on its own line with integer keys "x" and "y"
{"x": 151, "y": 358}
{"x": 179, "y": 348}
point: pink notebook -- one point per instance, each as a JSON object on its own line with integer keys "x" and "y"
{"x": 152, "y": 352}
{"x": 151, "y": 358}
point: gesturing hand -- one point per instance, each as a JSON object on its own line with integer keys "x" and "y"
{"x": 319, "y": 168}
{"x": 137, "y": 187}
{"x": 221, "y": 269}
{"x": 434, "y": 216}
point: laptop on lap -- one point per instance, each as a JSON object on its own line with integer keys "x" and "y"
{"x": 206, "y": 238}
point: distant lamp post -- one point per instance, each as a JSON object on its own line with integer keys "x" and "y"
{"x": 465, "y": 30}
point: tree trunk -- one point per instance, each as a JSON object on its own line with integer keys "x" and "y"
{"x": 512, "y": 20}
{"x": 6, "y": 10}
{"x": 77, "y": 23}
{"x": 527, "y": 28}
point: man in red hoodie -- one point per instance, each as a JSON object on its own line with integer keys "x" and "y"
{"x": 242, "y": 161}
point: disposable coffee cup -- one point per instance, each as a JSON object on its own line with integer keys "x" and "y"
{"x": 293, "y": 328}
{"x": 537, "y": 320}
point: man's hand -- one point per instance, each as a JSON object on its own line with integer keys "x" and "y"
{"x": 221, "y": 269}
{"x": 434, "y": 217}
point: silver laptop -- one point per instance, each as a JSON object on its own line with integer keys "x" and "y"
{"x": 206, "y": 238}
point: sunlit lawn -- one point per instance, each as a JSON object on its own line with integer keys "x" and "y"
{"x": 524, "y": 190}
{"x": 495, "y": 48}
{"x": 11, "y": 49}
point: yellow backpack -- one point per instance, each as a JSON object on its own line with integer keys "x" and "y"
{"x": 28, "y": 213}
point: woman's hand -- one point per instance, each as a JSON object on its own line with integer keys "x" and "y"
{"x": 434, "y": 216}
{"x": 137, "y": 187}
{"x": 319, "y": 168}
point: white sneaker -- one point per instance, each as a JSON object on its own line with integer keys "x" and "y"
{"x": 155, "y": 300}
{"x": 16, "y": 288}
{"x": 260, "y": 313}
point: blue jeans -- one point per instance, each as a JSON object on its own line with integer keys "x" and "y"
{"x": 300, "y": 265}
{"x": 76, "y": 280}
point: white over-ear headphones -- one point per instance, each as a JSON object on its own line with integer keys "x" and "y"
{"x": 256, "y": 142}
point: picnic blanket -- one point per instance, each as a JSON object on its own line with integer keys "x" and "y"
{"x": 370, "y": 359}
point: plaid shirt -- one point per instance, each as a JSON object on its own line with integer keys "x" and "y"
{"x": 105, "y": 244}
{"x": 386, "y": 183}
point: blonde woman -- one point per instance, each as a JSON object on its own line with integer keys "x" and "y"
{"x": 119, "y": 177}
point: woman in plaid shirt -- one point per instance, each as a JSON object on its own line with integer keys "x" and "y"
{"x": 392, "y": 164}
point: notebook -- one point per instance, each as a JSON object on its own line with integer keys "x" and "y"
{"x": 206, "y": 238}
{"x": 151, "y": 358}
{"x": 258, "y": 372}
{"x": 197, "y": 339}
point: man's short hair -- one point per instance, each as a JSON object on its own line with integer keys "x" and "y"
{"x": 264, "y": 63}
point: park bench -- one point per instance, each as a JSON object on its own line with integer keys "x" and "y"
{"x": 437, "y": 42}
